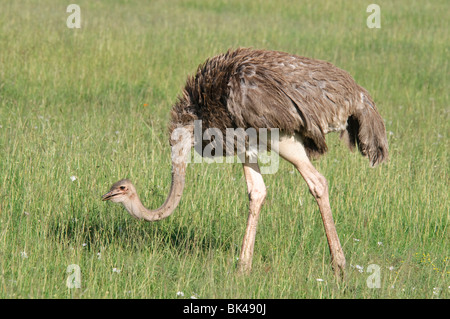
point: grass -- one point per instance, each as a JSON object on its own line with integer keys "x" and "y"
{"x": 94, "y": 103}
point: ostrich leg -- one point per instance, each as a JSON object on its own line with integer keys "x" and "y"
{"x": 256, "y": 194}
{"x": 292, "y": 149}
{"x": 318, "y": 187}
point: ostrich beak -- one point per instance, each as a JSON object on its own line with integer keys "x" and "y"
{"x": 109, "y": 195}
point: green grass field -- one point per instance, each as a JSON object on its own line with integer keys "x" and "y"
{"x": 83, "y": 108}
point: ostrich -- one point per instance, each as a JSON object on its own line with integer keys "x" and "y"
{"x": 301, "y": 97}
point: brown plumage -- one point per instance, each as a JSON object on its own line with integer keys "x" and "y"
{"x": 270, "y": 89}
{"x": 302, "y": 97}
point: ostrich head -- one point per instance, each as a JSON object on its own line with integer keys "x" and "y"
{"x": 125, "y": 193}
{"x": 122, "y": 191}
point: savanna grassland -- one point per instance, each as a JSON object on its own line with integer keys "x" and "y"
{"x": 83, "y": 108}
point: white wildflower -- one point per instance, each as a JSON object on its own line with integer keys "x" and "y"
{"x": 379, "y": 243}
{"x": 356, "y": 239}
{"x": 195, "y": 296}
{"x": 23, "y": 254}
{"x": 360, "y": 268}
{"x": 73, "y": 178}
{"x": 319, "y": 279}
{"x": 180, "y": 294}
{"x": 116, "y": 270}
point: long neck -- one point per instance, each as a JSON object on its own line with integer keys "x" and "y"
{"x": 180, "y": 154}
{"x": 138, "y": 210}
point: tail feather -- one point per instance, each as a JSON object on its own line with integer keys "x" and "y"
{"x": 365, "y": 128}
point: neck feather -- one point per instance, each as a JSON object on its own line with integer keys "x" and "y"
{"x": 180, "y": 153}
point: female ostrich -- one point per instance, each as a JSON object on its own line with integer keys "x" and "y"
{"x": 303, "y": 98}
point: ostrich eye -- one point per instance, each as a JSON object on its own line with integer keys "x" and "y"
{"x": 122, "y": 188}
